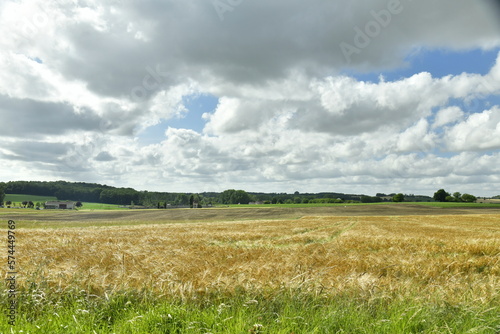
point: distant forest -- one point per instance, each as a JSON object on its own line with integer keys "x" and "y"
{"x": 98, "y": 193}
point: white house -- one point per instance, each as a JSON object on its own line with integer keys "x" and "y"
{"x": 68, "y": 205}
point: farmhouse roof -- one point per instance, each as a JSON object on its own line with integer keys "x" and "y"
{"x": 58, "y": 202}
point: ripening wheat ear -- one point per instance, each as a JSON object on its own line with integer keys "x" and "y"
{"x": 426, "y": 256}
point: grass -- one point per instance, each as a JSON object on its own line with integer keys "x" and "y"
{"x": 15, "y": 198}
{"x": 18, "y": 198}
{"x": 457, "y": 204}
{"x": 317, "y": 205}
{"x": 283, "y": 311}
{"x": 101, "y": 206}
{"x": 384, "y": 274}
{"x": 300, "y": 205}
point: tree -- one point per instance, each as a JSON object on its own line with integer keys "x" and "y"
{"x": 469, "y": 198}
{"x": 78, "y": 204}
{"x": 457, "y": 196}
{"x": 232, "y": 196}
{"x": 450, "y": 199}
{"x": 441, "y": 195}
{"x": 364, "y": 199}
{"x": 181, "y": 199}
{"x": 194, "y": 201}
{"x": 398, "y": 198}
{"x": 240, "y": 197}
{"x": 121, "y": 196}
{"x": 227, "y": 196}
{"x": 2, "y": 193}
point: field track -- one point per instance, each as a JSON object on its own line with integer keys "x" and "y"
{"x": 243, "y": 213}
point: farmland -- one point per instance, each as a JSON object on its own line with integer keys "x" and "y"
{"x": 17, "y": 199}
{"x": 21, "y": 198}
{"x": 359, "y": 269}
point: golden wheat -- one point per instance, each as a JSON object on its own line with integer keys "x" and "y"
{"x": 452, "y": 258}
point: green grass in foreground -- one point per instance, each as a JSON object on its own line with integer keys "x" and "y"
{"x": 285, "y": 311}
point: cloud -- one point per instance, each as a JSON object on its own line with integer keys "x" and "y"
{"x": 104, "y": 156}
{"x": 447, "y": 116}
{"x": 346, "y": 106}
{"x": 79, "y": 82}
{"x": 479, "y": 131}
{"x": 99, "y": 43}
{"x": 26, "y": 118}
{"x": 416, "y": 138}
{"x": 28, "y": 151}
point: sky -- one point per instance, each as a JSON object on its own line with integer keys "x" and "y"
{"x": 354, "y": 96}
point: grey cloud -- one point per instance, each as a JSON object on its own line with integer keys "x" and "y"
{"x": 34, "y": 151}
{"x": 118, "y": 121}
{"x": 31, "y": 118}
{"x": 104, "y": 156}
{"x": 28, "y": 118}
{"x": 259, "y": 40}
{"x": 360, "y": 118}
{"x": 112, "y": 64}
{"x": 275, "y": 58}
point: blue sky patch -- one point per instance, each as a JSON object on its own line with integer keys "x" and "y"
{"x": 439, "y": 63}
{"x": 196, "y": 104}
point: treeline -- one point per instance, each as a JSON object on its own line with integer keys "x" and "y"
{"x": 442, "y": 196}
{"x": 99, "y": 193}
{"x": 2, "y": 192}
{"x": 74, "y": 191}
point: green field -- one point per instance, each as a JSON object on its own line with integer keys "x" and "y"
{"x": 317, "y": 205}
{"x": 457, "y": 204}
{"x": 18, "y": 198}
{"x": 101, "y": 206}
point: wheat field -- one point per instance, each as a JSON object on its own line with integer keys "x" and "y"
{"x": 433, "y": 258}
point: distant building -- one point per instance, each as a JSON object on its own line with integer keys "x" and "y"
{"x": 68, "y": 205}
